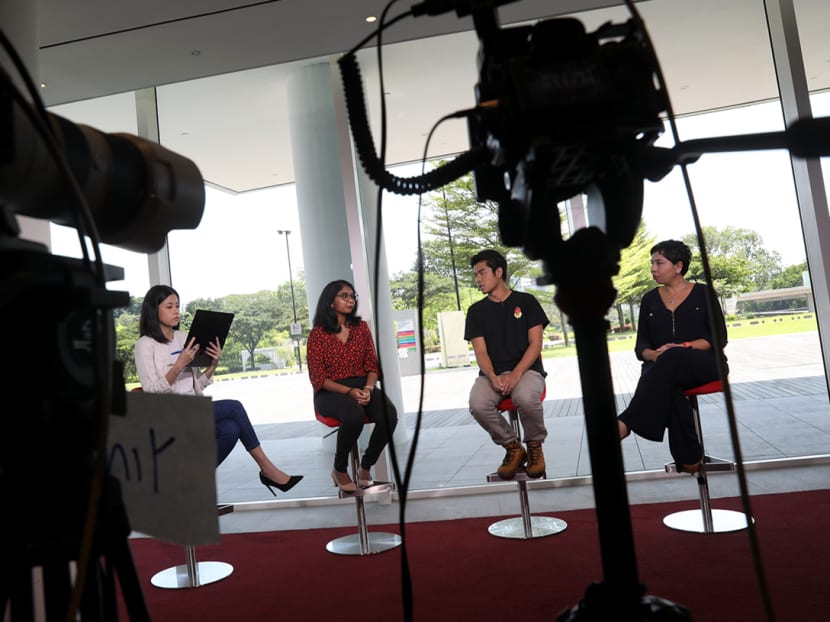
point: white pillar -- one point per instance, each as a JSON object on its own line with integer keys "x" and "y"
{"x": 336, "y": 217}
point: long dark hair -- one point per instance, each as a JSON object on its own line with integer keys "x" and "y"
{"x": 324, "y": 316}
{"x": 148, "y": 323}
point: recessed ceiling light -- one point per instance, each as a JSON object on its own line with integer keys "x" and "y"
{"x": 43, "y": 85}
{"x": 371, "y": 18}
{"x": 196, "y": 52}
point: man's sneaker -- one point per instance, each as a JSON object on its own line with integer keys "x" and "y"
{"x": 513, "y": 460}
{"x": 535, "y": 459}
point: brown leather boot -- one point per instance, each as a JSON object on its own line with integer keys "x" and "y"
{"x": 513, "y": 460}
{"x": 535, "y": 460}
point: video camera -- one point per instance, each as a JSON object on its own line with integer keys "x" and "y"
{"x": 559, "y": 112}
{"x": 57, "y": 321}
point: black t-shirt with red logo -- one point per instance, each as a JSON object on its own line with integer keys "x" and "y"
{"x": 504, "y": 326}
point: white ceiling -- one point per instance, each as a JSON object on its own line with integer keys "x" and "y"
{"x": 222, "y": 67}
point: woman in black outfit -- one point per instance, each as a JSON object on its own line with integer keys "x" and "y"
{"x": 675, "y": 336}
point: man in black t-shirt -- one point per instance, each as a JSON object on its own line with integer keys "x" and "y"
{"x": 505, "y": 329}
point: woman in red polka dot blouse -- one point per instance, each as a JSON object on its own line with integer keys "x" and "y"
{"x": 343, "y": 368}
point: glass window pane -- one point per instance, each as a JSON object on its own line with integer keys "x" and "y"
{"x": 115, "y": 113}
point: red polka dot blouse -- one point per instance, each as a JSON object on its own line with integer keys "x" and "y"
{"x": 328, "y": 357}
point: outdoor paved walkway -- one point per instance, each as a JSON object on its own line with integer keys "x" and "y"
{"x": 780, "y": 402}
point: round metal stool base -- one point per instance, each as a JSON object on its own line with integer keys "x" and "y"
{"x": 378, "y": 542}
{"x": 175, "y": 577}
{"x": 541, "y": 526}
{"x": 692, "y": 520}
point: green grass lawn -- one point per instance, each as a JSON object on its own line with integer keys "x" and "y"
{"x": 737, "y": 329}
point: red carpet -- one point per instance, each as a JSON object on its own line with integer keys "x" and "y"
{"x": 461, "y": 573}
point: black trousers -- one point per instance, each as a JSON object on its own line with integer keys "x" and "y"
{"x": 351, "y": 416}
{"x": 659, "y": 404}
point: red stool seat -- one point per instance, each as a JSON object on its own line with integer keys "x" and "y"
{"x": 716, "y": 386}
{"x": 332, "y": 422}
{"x": 507, "y": 403}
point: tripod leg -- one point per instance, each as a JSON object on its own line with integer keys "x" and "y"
{"x": 124, "y": 566}
{"x": 16, "y": 592}
{"x": 120, "y": 557}
{"x": 585, "y": 294}
{"x": 56, "y": 588}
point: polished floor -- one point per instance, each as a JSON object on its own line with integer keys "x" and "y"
{"x": 781, "y": 409}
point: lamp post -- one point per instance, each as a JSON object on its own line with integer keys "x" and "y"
{"x": 296, "y": 331}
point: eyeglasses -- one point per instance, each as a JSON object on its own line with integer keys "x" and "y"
{"x": 345, "y": 296}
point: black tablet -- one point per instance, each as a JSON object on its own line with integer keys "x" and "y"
{"x": 206, "y": 327}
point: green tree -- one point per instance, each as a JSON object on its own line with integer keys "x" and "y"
{"x": 791, "y": 276}
{"x": 133, "y": 309}
{"x": 738, "y": 260}
{"x": 634, "y": 278}
{"x": 439, "y": 295}
{"x": 255, "y": 315}
{"x": 456, "y": 227}
{"x": 126, "y": 334}
{"x": 453, "y": 214}
{"x": 284, "y": 310}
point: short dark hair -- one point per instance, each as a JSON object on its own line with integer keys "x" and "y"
{"x": 674, "y": 251}
{"x": 494, "y": 260}
{"x": 148, "y": 323}
{"x": 324, "y": 316}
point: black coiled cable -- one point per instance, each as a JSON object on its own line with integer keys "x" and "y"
{"x": 364, "y": 143}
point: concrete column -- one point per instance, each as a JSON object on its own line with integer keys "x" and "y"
{"x": 337, "y": 217}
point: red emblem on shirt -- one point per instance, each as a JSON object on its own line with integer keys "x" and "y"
{"x": 517, "y": 312}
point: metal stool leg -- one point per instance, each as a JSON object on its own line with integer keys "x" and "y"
{"x": 706, "y": 520}
{"x": 363, "y": 542}
{"x": 192, "y": 573}
{"x": 525, "y": 526}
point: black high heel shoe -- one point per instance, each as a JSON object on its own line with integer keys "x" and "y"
{"x": 268, "y": 482}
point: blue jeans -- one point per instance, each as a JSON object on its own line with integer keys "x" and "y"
{"x": 232, "y": 424}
